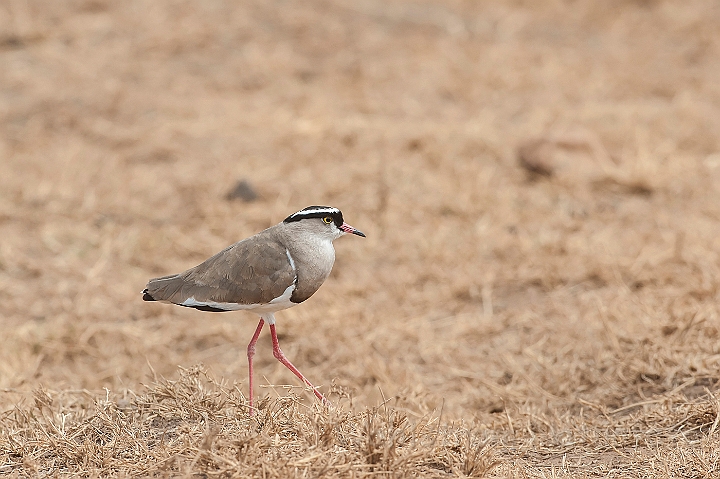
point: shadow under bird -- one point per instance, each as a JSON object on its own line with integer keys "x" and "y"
{"x": 273, "y": 270}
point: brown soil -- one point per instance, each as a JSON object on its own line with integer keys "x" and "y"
{"x": 537, "y": 295}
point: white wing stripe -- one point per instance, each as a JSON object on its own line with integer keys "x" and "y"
{"x": 292, "y": 262}
{"x": 277, "y": 304}
{"x": 285, "y": 296}
{"x": 191, "y": 302}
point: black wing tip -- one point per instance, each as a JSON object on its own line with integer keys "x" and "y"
{"x": 148, "y": 297}
{"x": 206, "y": 308}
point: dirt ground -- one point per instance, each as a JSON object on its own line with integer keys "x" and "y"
{"x": 537, "y": 295}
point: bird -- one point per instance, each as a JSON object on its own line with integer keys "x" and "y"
{"x": 275, "y": 269}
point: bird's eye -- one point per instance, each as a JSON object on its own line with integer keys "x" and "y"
{"x": 327, "y": 220}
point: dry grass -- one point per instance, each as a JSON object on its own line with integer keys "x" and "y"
{"x": 539, "y": 286}
{"x": 197, "y": 425}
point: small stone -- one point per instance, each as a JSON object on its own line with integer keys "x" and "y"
{"x": 242, "y": 191}
{"x": 536, "y": 156}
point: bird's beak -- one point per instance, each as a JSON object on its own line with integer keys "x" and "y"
{"x": 349, "y": 229}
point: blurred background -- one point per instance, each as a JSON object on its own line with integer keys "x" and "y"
{"x": 538, "y": 182}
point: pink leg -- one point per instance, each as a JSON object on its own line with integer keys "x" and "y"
{"x": 280, "y": 356}
{"x": 250, "y": 354}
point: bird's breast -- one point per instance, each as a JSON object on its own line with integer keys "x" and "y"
{"x": 313, "y": 262}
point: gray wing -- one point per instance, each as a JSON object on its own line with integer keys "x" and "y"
{"x": 248, "y": 272}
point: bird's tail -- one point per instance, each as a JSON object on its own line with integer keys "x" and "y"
{"x": 161, "y": 289}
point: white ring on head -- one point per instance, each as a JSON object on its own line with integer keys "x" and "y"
{"x": 315, "y": 211}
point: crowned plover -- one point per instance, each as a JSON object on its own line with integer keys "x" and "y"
{"x": 273, "y": 270}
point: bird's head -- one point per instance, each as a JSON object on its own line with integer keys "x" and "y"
{"x": 323, "y": 220}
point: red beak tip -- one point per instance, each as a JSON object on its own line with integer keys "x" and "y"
{"x": 349, "y": 229}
